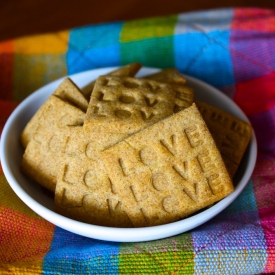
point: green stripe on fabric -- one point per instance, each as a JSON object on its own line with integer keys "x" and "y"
{"x": 166, "y": 256}
{"x": 153, "y": 52}
{"x": 149, "y": 41}
{"x": 147, "y": 28}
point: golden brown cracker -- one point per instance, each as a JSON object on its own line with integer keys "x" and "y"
{"x": 231, "y": 134}
{"x": 127, "y": 70}
{"x": 125, "y": 105}
{"x": 168, "y": 171}
{"x": 170, "y": 76}
{"x": 68, "y": 91}
{"x": 43, "y": 154}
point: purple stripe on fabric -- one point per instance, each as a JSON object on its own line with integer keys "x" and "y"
{"x": 252, "y": 54}
{"x": 264, "y": 127}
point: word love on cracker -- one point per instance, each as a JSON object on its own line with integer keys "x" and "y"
{"x": 168, "y": 171}
{"x": 127, "y": 104}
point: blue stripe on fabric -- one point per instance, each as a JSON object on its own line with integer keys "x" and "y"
{"x": 93, "y": 47}
{"x": 205, "y": 56}
{"x": 74, "y": 254}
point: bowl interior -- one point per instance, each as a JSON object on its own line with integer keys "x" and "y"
{"x": 41, "y": 201}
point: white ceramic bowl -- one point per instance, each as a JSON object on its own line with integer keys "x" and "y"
{"x": 33, "y": 195}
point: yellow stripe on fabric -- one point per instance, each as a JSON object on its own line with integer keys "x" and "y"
{"x": 10, "y": 200}
{"x": 51, "y": 43}
{"x": 148, "y": 28}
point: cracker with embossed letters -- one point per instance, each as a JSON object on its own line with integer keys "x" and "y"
{"x": 127, "y": 70}
{"x": 68, "y": 91}
{"x": 125, "y": 105}
{"x": 43, "y": 154}
{"x": 231, "y": 134}
{"x": 168, "y": 171}
{"x": 84, "y": 191}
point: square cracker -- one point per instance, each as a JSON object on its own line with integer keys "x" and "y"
{"x": 231, "y": 134}
{"x": 68, "y": 91}
{"x": 125, "y": 105}
{"x": 168, "y": 171}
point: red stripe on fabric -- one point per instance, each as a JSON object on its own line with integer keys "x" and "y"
{"x": 255, "y": 19}
{"x": 6, "y": 108}
{"x": 23, "y": 238}
{"x": 6, "y": 76}
{"x": 267, "y": 217}
{"x": 257, "y": 95}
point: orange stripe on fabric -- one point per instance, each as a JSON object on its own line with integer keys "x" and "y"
{"x": 52, "y": 43}
{"x": 24, "y": 239}
{"x": 6, "y": 47}
{"x": 31, "y": 268}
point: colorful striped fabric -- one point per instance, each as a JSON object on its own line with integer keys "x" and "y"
{"x": 233, "y": 50}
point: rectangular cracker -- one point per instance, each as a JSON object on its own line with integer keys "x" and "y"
{"x": 68, "y": 91}
{"x": 44, "y": 151}
{"x": 231, "y": 134}
{"x": 125, "y": 105}
{"x": 167, "y": 171}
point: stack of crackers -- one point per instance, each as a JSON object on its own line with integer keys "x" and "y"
{"x": 132, "y": 152}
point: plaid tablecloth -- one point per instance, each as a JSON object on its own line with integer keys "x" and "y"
{"x": 231, "y": 49}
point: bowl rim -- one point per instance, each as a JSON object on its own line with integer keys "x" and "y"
{"x": 112, "y": 233}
